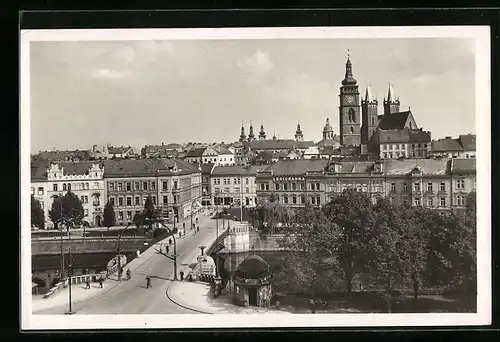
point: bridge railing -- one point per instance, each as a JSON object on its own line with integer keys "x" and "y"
{"x": 219, "y": 240}
{"x": 80, "y": 279}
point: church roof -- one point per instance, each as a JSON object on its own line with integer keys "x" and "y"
{"x": 468, "y": 141}
{"x": 253, "y": 267}
{"x": 394, "y": 120}
{"x": 329, "y": 142}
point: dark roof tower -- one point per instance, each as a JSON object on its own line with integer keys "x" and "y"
{"x": 262, "y": 133}
{"x": 242, "y": 134}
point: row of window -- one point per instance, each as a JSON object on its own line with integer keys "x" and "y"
{"x": 136, "y": 200}
{"x": 401, "y": 146}
{"x": 460, "y": 184}
{"x": 402, "y": 154}
{"x": 316, "y": 200}
{"x": 227, "y": 190}
{"x": 138, "y": 186}
{"x": 217, "y": 181}
{"x": 214, "y": 160}
{"x": 67, "y": 187}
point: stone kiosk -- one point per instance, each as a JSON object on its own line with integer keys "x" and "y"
{"x": 252, "y": 283}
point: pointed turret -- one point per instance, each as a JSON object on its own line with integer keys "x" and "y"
{"x": 242, "y": 135}
{"x": 262, "y": 133}
{"x": 298, "y": 133}
{"x": 251, "y": 136}
{"x": 391, "y": 104}
{"x": 348, "y": 79}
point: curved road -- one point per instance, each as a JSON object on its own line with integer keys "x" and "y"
{"x": 132, "y": 296}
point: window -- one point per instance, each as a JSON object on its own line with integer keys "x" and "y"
{"x": 301, "y": 186}
{"x": 137, "y": 200}
{"x": 120, "y": 215}
{"x": 285, "y": 186}
{"x": 86, "y": 199}
{"x": 442, "y": 202}
{"x": 129, "y": 215}
{"x": 176, "y": 184}
{"x": 86, "y": 186}
{"x": 429, "y": 202}
{"x": 120, "y": 201}
{"x": 351, "y": 129}
{"x": 405, "y": 200}
{"x": 262, "y": 187}
{"x": 247, "y": 190}
{"x": 318, "y": 202}
{"x": 86, "y": 212}
{"x": 416, "y": 186}
{"x": 41, "y": 204}
{"x": 313, "y": 200}
{"x": 54, "y": 187}
{"x": 429, "y": 187}
{"x": 442, "y": 186}
{"x": 384, "y": 147}
{"x": 390, "y": 147}
{"x": 294, "y": 199}
{"x": 246, "y": 180}
{"x": 358, "y": 187}
{"x": 405, "y": 187}
{"x": 165, "y": 199}
{"x": 82, "y": 199}
{"x": 129, "y": 201}
{"x": 461, "y": 200}
{"x": 111, "y": 186}
{"x": 144, "y": 185}
{"x": 294, "y": 186}
{"x": 165, "y": 185}
{"x": 112, "y": 200}
{"x": 69, "y": 187}
{"x": 365, "y": 188}
{"x": 285, "y": 200}
{"x": 276, "y": 186}
{"x": 153, "y": 186}
{"x": 129, "y": 186}
{"x": 64, "y": 188}
{"x": 120, "y": 186}
{"x": 136, "y": 186}
{"x": 416, "y": 201}
{"x": 96, "y": 185}
{"x": 376, "y": 187}
{"x": 40, "y": 191}
{"x": 460, "y": 184}
{"x": 302, "y": 200}
{"x": 267, "y": 187}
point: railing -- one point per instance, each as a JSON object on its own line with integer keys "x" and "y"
{"x": 80, "y": 279}
{"x": 219, "y": 240}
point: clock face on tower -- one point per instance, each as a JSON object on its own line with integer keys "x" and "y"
{"x": 349, "y": 99}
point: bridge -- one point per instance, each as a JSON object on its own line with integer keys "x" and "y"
{"x": 54, "y": 245}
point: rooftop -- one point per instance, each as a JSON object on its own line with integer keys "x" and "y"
{"x": 467, "y": 165}
{"x": 446, "y": 144}
{"x": 427, "y": 166}
{"x": 147, "y": 167}
{"x": 196, "y": 152}
{"x": 297, "y": 166}
{"x": 237, "y": 170}
{"x": 394, "y": 120}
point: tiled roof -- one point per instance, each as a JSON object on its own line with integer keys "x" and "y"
{"x": 222, "y": 150}
{"x": 404, "y": 136}
{"x": 446, "y": 144}
{"x": 297, "y": 166}
{"x": 62, "y": 155}
{"x": 304, "y": 144}
{"x": 394, "y": 120}
{"x": 196, "y": 152}
{"x": 146, "y": 167}
{"x": 206, "y": 168}
{"x": 237, "y": 170}
{"x": 173, "y": 146}
{"x": 427, "y": 166}
{"x": 335, "y": 142}
{"x": 272, "y": 144}
{"x": 118, "y": 149}
{"x": 39, "y": 170}
{"x": 77, "y": 168}
{"x": 463, "y": 165}
{"x": 329, "y": 150}
{"x": 356, "y": 167}
{"x": 468, "y": 142}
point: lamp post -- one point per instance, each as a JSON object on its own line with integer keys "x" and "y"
{"x": 70, "y": 273}
{"x": 118, "y": 251}
{"x": 173, "y": 257}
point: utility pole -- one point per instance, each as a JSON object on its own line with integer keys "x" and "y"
{"x": 70, "y": 273}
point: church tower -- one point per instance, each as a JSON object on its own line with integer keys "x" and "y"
{"x": 391, "y": 105}
{"x": 251, "y": 136}
{"x": 262, "y": 134}
{"x": 349, "y": 110}
{"x": 369, "y": 114}
{"x": 327, "y": 130}
{"x": 299, "y": 136}
{"x": 242, "y": 134}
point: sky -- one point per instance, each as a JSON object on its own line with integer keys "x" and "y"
{"x": 147, "y": 92}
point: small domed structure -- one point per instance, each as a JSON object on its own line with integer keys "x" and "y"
{"x": 252, "y": 282}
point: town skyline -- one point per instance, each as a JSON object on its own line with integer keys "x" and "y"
{"x": 117, "y": 89}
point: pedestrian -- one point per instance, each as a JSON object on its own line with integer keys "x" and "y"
{"x": 100, "y": 282}
{"x": 169, "y": 241}
{"x": 87, "y": 283}
{"x": 180, "y": 234}
{"x": 182, "y": 275}
{"x": 313, "y": 305}
{"x": 166, "y": 249}
{"x": 148, "y": 282}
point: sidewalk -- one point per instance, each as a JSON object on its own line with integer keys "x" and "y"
{"x": 80, "y": 294}
{"x": 196, "y": 296}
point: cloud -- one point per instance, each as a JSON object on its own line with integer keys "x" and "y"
{"x": 258, "y": 63}
{"x": 110, "y": 74}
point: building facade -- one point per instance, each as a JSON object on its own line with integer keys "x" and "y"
{"x": 433, "y": 183}
{"x": 85, "y": 180}
{"x": 462, "y": 147}
{"x": 174, "y": 186}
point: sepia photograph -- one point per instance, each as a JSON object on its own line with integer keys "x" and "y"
{"x": 303, "y": 176}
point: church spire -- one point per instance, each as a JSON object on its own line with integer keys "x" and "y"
{"x": 251, "y": 136}
{"x": 391, "y": 104}
{"x": 242, "y": 134}
{"x": 348, "y": 79}
{"x": 298, "y": 133}
{"x": 262, "y": 133}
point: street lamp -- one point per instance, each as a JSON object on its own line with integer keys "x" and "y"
{"x": 118, "y": 250}
{"x": 70, "y": 273}
{"x": 172, "y": 257}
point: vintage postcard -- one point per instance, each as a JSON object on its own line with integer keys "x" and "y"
{"x": 305, "y": 177}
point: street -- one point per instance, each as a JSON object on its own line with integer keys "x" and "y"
{"x": 132, "y": 296}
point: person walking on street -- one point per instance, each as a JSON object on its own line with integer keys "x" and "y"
{"x": 87, "y": 283}
{"x": 128, "y": 274}
{"x": 182, "y": 275}
{"x": 148, "y": 282}
{"x": 166, "y": 249}
{"x": 169, "y": 241}
{"x": 100, "y": 283}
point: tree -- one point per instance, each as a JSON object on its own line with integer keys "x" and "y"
{"x": 276, "y": 212}
{"x": 353, "y": 216}
{"x": 67, "y": 210}
{"x": 471, "y": 201}
{"x": 149, "y": 210}
{"x": 37, "y": 214}
{"x": 109, "y": 217}
{"x": 139, "y": 219}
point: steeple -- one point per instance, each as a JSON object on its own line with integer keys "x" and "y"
{"x": 262, "y": 134}
{"x": 369, "y": 115}
{"x": 298, "y": 133}
{"x": 251, "y": 136}
{"x": 391, "y": 104}
{"x": 348, "y": 79}
{"x": 368, "y": 95}
{"x": 242, "y": 135}
{"x": 327, "y": 130}
{"x": 274, "y": 136}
